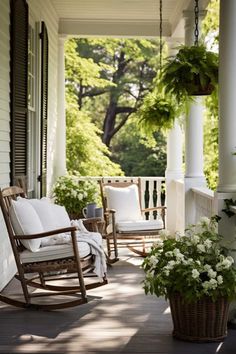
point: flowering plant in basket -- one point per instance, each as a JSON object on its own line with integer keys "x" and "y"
{"x": 74, "y": 194}
{"x": 195, "y": 265}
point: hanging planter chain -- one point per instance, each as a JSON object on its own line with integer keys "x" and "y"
{"x": 196, "y": 30}
{"x": 161, "y": 44}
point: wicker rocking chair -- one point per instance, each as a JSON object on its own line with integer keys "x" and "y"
{"x": 125, "y": 220}
{"x": 50, "y": 269}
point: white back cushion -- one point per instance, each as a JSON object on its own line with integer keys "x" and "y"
{"x": 52, "y": 216}
{"x": 125, "y": 201}
{"x": 25, "y": 221}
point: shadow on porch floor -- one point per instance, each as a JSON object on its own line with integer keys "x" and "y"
{"x": 120, "y": 319}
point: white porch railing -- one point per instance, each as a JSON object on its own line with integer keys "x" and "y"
{"x": 204, "y": 203}
{"x": 152, "y": 189}
{"x": 153, "y": 194}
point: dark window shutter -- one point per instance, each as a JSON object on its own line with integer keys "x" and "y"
{"x": 19, "y": 97}
{"x": 44, "y": 109}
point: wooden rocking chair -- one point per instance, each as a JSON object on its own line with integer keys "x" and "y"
{"x": 49, "y": 267}
{"x": 125, "y": 220}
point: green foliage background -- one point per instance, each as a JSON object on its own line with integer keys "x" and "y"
{"x": 90, "y": 68}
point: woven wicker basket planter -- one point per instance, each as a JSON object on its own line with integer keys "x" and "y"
{"x": 202, "y": 321}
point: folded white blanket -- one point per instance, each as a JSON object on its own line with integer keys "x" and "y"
{"x": 94, "y": 239}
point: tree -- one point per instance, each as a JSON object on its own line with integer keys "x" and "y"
{"x": 86, "y": 154}
{"x": 121, "y": 70}
{"x": 139, "y": 154}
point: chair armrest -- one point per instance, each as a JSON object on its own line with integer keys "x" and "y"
{"x": 91, "y": 221}
{"x": 45, "y": 234}
{"x": 94, "y": 224}
{"x": 110, "y": 211}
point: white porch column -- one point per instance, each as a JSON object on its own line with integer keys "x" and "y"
{"x": 194, "y": 175}
{"x": 60, "y": 156}
{"x": 174, "y": 172}
{"x": 227, "y": 122}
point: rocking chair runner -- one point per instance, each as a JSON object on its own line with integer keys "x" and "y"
{"x": 125, "y": 224}
{"x": 53, "y": 263}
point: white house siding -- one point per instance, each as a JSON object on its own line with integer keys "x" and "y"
{"x": 43, "y": 11}
{"x": 7, "y": 264}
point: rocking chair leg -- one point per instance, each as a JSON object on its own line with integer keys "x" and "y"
{"x": 79, "y": 270}
{"x": 22, "y": 280}
{"x": 108, "y": 247}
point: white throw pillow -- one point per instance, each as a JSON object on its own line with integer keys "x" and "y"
{"x": 125, "y": 201}
{"x": 52, "y": 216}
{"x": 25, "y": 221}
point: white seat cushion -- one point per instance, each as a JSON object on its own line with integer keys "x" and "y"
{"x": 125, "y": 201}
{"x": 25, "y": 221}
{"x": 139, "y": 225}
{"x": 54, "y": 252}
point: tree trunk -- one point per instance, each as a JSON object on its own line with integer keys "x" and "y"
{"x": 109, "y": 122}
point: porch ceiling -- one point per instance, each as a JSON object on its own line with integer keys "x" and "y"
{"x": 121, "y": 17}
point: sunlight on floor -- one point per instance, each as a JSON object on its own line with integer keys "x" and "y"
{"x": 219, "y": 347}
{"x": 167, "y": 311}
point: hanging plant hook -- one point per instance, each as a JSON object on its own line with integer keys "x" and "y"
{"x": 196, "y": 20}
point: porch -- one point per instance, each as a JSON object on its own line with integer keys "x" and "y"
{"x": 120, "y": 318}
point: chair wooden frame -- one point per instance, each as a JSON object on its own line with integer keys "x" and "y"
{"x": 137, "y": 239}
{"x": 39, "y": 274}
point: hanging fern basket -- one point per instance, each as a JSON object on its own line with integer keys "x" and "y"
{"x": 195, "y": 88}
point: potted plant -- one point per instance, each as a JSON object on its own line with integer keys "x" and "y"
{"x": 193, "y": 71}
{"x": 158, "y": 111}
{"x": 197, "y": 276}
{"x": 74, "y": 194}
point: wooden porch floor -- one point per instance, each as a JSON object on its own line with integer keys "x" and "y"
{"x": 118, "y": 319}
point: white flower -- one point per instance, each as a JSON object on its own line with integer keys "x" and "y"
{"x": 220, "y": 279}
{"x": 169, "y": 254}
{"x": 165, "y": 234}
{"x": 195, "y": 273}
{"x": 211, "y": 273}
{"x": 225, "y": 263}
{"x": 153, "y": 260}
{"x": 213, "y": 283}
{"x": 189, "y": 261}
{"x": 201, "y": 248}
{"x": 207, "y": 267}
{"x": 195, "y": 239}
{"x": 206, "y": 285}
{"x": 170, "y": 265}
{"x": 80, "y": 196}
{"x": 230, "y": 259}
{"x": 205, "y": 220}
{"x": 208, "y": 243}
{"x": 157, "y": 243}
{"x": 176, "y": 252}
{"x": 167, "y": 272}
